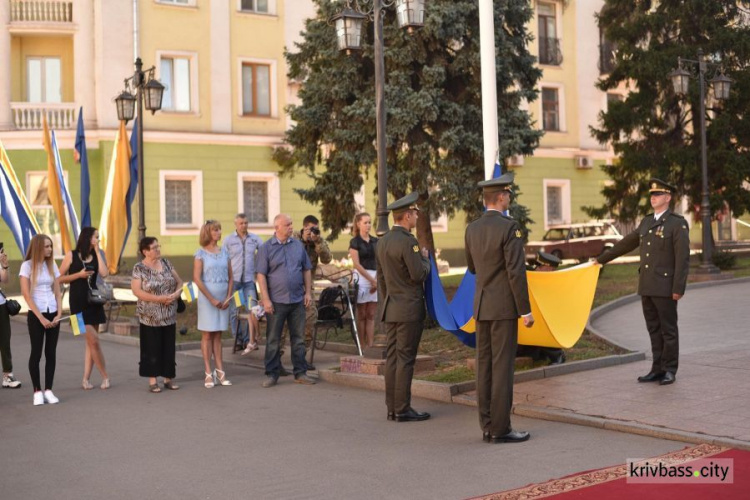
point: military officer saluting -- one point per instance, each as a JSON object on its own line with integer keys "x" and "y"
{"x": 401, "y": 271}
{"x": 494, "y": 252}
{"x": 665, "y": 257}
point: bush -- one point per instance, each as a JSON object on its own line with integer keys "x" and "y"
{"x": 724, "y": 259}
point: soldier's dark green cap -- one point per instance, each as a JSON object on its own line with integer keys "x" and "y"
{"x": 547, "y": 259}
{"x": 659, "y": 186}
{"x": 502, "y": 183}
{"x": 408, "y": 202}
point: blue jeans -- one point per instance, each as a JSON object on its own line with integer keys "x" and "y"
{"x": 294, "y": 316}
{"x": 248, "y": 288}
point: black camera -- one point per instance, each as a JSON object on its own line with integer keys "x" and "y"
{"x": 315, "y": 230}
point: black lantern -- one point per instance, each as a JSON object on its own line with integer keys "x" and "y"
{"x": 125, "y": 103}
{"x": 348, "y": 26}
{"x": 154, "y": 93}
{"x": 721, "y": 84}
{"x": 410, "y": 13}
{"x": 680, "y": 80}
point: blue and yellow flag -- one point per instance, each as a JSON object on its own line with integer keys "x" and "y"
{"x": 82, "y": 157}
{"x": 113, "y": 228}
{"x": 67, "y": 200}
{"x": 239, "y": 299}
{"x": 76, "y": 323}
{"x": 14, "y": 207}
{"x": 188, "y": 292}
{"x": 54, "y": 190}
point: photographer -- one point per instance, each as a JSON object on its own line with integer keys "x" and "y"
{"x": 315, "y": 246}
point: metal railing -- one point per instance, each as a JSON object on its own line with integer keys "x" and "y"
{"x": 28, "y": 115}
{"x": 549, "y": 51}
{"x": 41, "y": 11}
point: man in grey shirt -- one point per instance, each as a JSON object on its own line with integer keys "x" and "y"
{"x": 283, "y": 273}
{"x": 242, "y": 246}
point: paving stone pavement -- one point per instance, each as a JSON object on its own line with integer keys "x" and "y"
{"x": 712, "y": 392}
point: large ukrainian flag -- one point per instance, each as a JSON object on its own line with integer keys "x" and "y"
{"x": 114, "y": 222}
{"x": 14, "y": 207}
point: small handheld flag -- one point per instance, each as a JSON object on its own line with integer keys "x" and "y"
{"x": 239, "y": 298}
{"x": 76, "y": 322}
{"x": 188, "y": 292}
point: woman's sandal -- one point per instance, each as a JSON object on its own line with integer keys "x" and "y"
{"x": 171, "y": 386}
{"x": 208, "y": 381}
{"x": 222, "y": 379}
{"x": 154, "y": 388}
{"x": 87, "y": 386}
{"x": 105, "y": 384}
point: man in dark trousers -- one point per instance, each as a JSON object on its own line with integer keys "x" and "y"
{"x": 665, "y": 259}
{"x": 495, "y": 253}
{"x": 401, "y": 271}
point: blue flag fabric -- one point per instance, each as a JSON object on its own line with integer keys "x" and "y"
{"x": 83, "y": 158}
{"x": 14, "y": 213}
{"x": 133, "y": 189}
{"x": 66, "y": 198}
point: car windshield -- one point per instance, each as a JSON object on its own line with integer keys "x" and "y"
{"x": 556, "y": 234}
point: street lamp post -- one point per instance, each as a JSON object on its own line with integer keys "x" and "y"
{"x": 348, "y": 24}
{"x": 126, "y": 104}
{"x": 721, "y": 86}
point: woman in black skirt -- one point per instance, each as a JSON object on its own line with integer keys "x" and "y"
{"x": 80, "y": 268}
{"x": 157, "y": 286}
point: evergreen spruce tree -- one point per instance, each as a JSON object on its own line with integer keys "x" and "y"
{"x": 433, "y": 107}
{"x": 656, "y": 132}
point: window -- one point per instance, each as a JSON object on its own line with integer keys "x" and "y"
{"x": 549, "y": 44}
{"x": 556, "y": 201}
{"x": 259, "y": 198}
{"x": 38, "y": 195}
{"x": 43, "y": 76}
{"x": 256, "y": 89}
{"x": 177, "y": 2}
{"x": 181, "y": 201}
{"x": 607, "y": 51}
{"x": 260, "y": 6}
{"x": 179, "y": 77}
{"x": 550, "y": 109}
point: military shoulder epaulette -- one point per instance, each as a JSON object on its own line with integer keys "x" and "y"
{"x": 676, "y": 215}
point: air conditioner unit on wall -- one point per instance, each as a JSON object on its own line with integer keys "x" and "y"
{"x": 584, "y": 162}
{"x": 515, "y": 161}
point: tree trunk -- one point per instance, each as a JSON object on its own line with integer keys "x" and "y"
{"x": 424, "y": 231}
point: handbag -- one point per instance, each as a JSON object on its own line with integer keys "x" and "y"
{"x": 181, "y": 305}
{"x": 101, "y": 294}
{"x": 12, "y": 305}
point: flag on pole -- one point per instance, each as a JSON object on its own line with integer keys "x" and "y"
{"x": 133, "y": 188}
{"x": 188, "y": 292}
{"x": 113, "y": 213}
{"x": 14, "y": 207}
{"x": 53, "y": 188}
{"x": 67, "y": 200}
{"x": 76, "y": 323}
{"x": 82, "y": 157}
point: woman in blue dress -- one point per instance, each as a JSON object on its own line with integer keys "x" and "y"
{"x": 212, "y": 273}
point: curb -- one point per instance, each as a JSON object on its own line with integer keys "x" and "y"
{"x": 570, "y": 417}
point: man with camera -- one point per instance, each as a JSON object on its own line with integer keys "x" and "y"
{"x": 319, "y": 253}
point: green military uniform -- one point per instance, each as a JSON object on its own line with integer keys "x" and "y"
{"x": 665, "y": 258}
{"x": 401, "y": 272}
{"x": 495, "y": 253}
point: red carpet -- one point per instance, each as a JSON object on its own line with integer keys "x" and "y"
{"x": 612, "y": 482}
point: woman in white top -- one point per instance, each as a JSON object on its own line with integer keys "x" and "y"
{"x": 41, "y": 290}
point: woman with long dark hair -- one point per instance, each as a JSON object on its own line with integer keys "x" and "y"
{"x": 157, "y": 286}
{"x": 41, "y": 290}
{"x": 9, "y": 380}
{"x": 80, "y": 268}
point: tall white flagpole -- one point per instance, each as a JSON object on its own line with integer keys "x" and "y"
{"x": 489, "y": 84}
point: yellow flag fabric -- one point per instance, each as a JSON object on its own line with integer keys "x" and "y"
{"x": 54, "y": 191}
{"x": 560, "y": 302}
{"x": 116, "y": 222}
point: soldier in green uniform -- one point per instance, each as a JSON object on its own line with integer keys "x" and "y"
{"x": 401, "y": 271}
{"x": 495, "y": 253}
{"x": 665, "y": 255}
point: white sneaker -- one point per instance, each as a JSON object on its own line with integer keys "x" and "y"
{"x": 50, "y": 398}
{"x": 10, "y": 382}
{"x": 38, "y": 398}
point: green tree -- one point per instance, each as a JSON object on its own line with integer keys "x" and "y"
{"x": 656, "y": 132}
{"x": 433, "y": 99}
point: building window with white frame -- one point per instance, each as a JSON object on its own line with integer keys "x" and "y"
{"x": 256, "y": 89}
{"x": 550, "y": 109}
{"x": 549, "y": 44}
{"x": 259, "y": 198}
{"x": 177, "y": 2}
{"x": 176, "y": 76}
{"x": 556, "y": 201}
{"x": 259, "y": 6}
{"x": 181, "y": 201}
{"x": 44, "y": 79}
